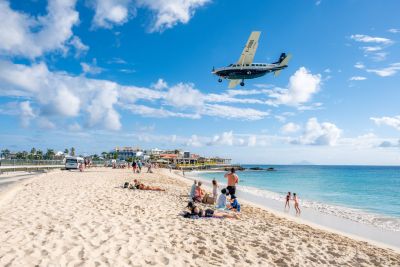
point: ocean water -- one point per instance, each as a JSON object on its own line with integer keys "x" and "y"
{"x": 366, "y": 194}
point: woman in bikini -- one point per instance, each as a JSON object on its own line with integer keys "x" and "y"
{"x": 140, "y": 186}
{"x": 209, "y": 213}
{"x": 296, "y": 203}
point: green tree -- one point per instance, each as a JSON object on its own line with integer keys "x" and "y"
{"x": 115, "y": 156}
{"x": 66, "y": 151}
{"x": 50, "y": 154}
{"x": 5, "y": 153}
{"x": 72, "y": 151}
{"x": 33, "y": 151}
{"x": 105, "y": 155}
{"x": 39, "y": 154}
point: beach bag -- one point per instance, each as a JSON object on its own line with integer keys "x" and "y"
{"x": 207, "y": 199}
{"x": 126, "y": 184}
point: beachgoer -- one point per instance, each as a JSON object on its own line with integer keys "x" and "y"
{"x": 221, "y": 203}
{"x": 141, "y": 186}
{"x": 198, "y": 193}
{"x": 233, "y": 179}
{"x": 139, "y": 164}
{"x": 193, "y": 189}
{"x": 287, "y": 204}
{"x": 209, "y": 213}
{"x": 234, "y": 205}
{"x": 215, "y": 189}
{"x": 296, "y": 203}
{"x": 134, "y": 166}
{"x": 149, "y": 168}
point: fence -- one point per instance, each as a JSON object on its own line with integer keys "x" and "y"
{"x": 27, "y": 162}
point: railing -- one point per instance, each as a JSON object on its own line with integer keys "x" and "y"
{"x": 24, "y": 162}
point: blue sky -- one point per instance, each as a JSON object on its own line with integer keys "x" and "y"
{"x": 98, "y": 74}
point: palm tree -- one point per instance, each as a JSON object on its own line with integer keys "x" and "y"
{"x": 72, "y": 151}
{"x": 39, "y": 154}
{"x": 104, "y": 154}
{"x": 66, "y": 151}
{"x": 5, "y": 153}
{"x": 50, "y": 154}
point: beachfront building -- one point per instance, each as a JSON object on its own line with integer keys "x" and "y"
{"x": 124, "y": 153}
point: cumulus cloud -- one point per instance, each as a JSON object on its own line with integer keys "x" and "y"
{"x": 184, "y": 95}
{"x": 316, "y": 133}
{"x": 160, "y": 84}
{"x": 302, "y": 86}
{"x": 388, "y": 71}
{"x": 230, "y": 112}
{"x": 357, "y": 78}
{"x": 394, "y": 30}
{"x": 290, "y": 128}
{"x": 111, "y": 12}
{"x": 31, "y": 37}
{"x": 388, "y": 121}
{"x": 168, "y": 13}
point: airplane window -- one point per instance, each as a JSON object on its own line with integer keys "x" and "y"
{"x": 253, "y": 64}
{"x": 247, "y": 65}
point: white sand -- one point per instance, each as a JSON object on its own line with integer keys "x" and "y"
{"x": 86, "y": 219}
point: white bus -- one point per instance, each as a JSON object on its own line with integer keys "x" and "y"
{"x": 73, "y": 163}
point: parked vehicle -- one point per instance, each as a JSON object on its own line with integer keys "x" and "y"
{"x": 73, "y": 163}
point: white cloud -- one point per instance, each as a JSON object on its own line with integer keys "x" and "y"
{"x": 388, "y": 121}
{"x": 302, "y": 86}
{"x": 194, "y": 141}
{"x": 80, "y": 47}
{"x": 359, "y": 65}
{"x": 357, "y": 78}
{"x": 168, "y": 13}
{"x": 394, "y": 30}
{"x": 91, "y": 68}
{"x": 26, "y": 114}
{"x": 31, "y": 37}
{"x": 184, "y": 95}
{"x": 233, "y": 112}
{"x": 111, "y": 12}
{"x": 370, "y": 39}
{"x": 225, "y": 139}
{"x": 290, "y": 128}
{"x": 388, "y": 71}
{"x": 160, "y": 84}
{"x": 160, "y": 112}
{"x": 371, "y": 48}
{"x": 316, "y": 133}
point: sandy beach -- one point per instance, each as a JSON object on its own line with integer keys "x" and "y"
{"x": 66, "y": 218}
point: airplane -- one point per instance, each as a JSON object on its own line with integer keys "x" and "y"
{"x": 246, "y": 69}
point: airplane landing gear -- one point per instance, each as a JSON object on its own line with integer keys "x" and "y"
{"x": 220, "y": 80}
{"x": 242, "y": 83}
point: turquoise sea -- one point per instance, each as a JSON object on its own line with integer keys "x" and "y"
{"x": 367, "y": 194}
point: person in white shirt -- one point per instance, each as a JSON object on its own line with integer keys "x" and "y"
{"x": 221, "y": 203}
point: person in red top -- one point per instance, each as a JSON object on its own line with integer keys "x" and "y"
{"x": 233, "y": 180}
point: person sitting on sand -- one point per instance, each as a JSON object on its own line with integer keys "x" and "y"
{"x": 209, "y": 213}
{"x": 193, "y": 189}
{"x": 198, "y": 193}
{"x": 221, "y": 203}
{"x": 234, "y": 205}
{"x": 296, "y": 203}
{"x": 287, "y": 204}
{"x": 140, "y": 186}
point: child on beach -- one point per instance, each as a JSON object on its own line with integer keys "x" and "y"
{"x": 287, "y": 204}
{"x": 234, "y": 205}
{"x": 221, "y": 203}
{"x": 296, "y": 203}
{"x": 215, "y": 189}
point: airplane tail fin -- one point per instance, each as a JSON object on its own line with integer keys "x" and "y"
{"x": 283, "y": 61}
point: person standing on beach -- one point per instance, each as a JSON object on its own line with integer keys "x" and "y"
{"x": 193, "y": 190}
{"x": 287, "y": 204}
{"x": 215, "y": 189}
{"x": 233, "y": 179}
{"x": 296, "y": 203}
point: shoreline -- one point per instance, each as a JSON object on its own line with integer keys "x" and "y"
{"x": 68, "y": 218}
{"x": 322, "y": 220}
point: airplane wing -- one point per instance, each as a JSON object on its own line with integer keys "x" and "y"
{"x": 233, "y": 83}
{"x": 250, "y": 49}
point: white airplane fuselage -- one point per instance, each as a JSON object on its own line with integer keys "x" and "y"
{"x": 247, "y": 71}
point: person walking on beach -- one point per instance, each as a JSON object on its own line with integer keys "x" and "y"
{"x": 287, "y": 204}
{"x": 296, "y": 203}
{"x": 233, "y": 179}
{"x": 215, "y": 189}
